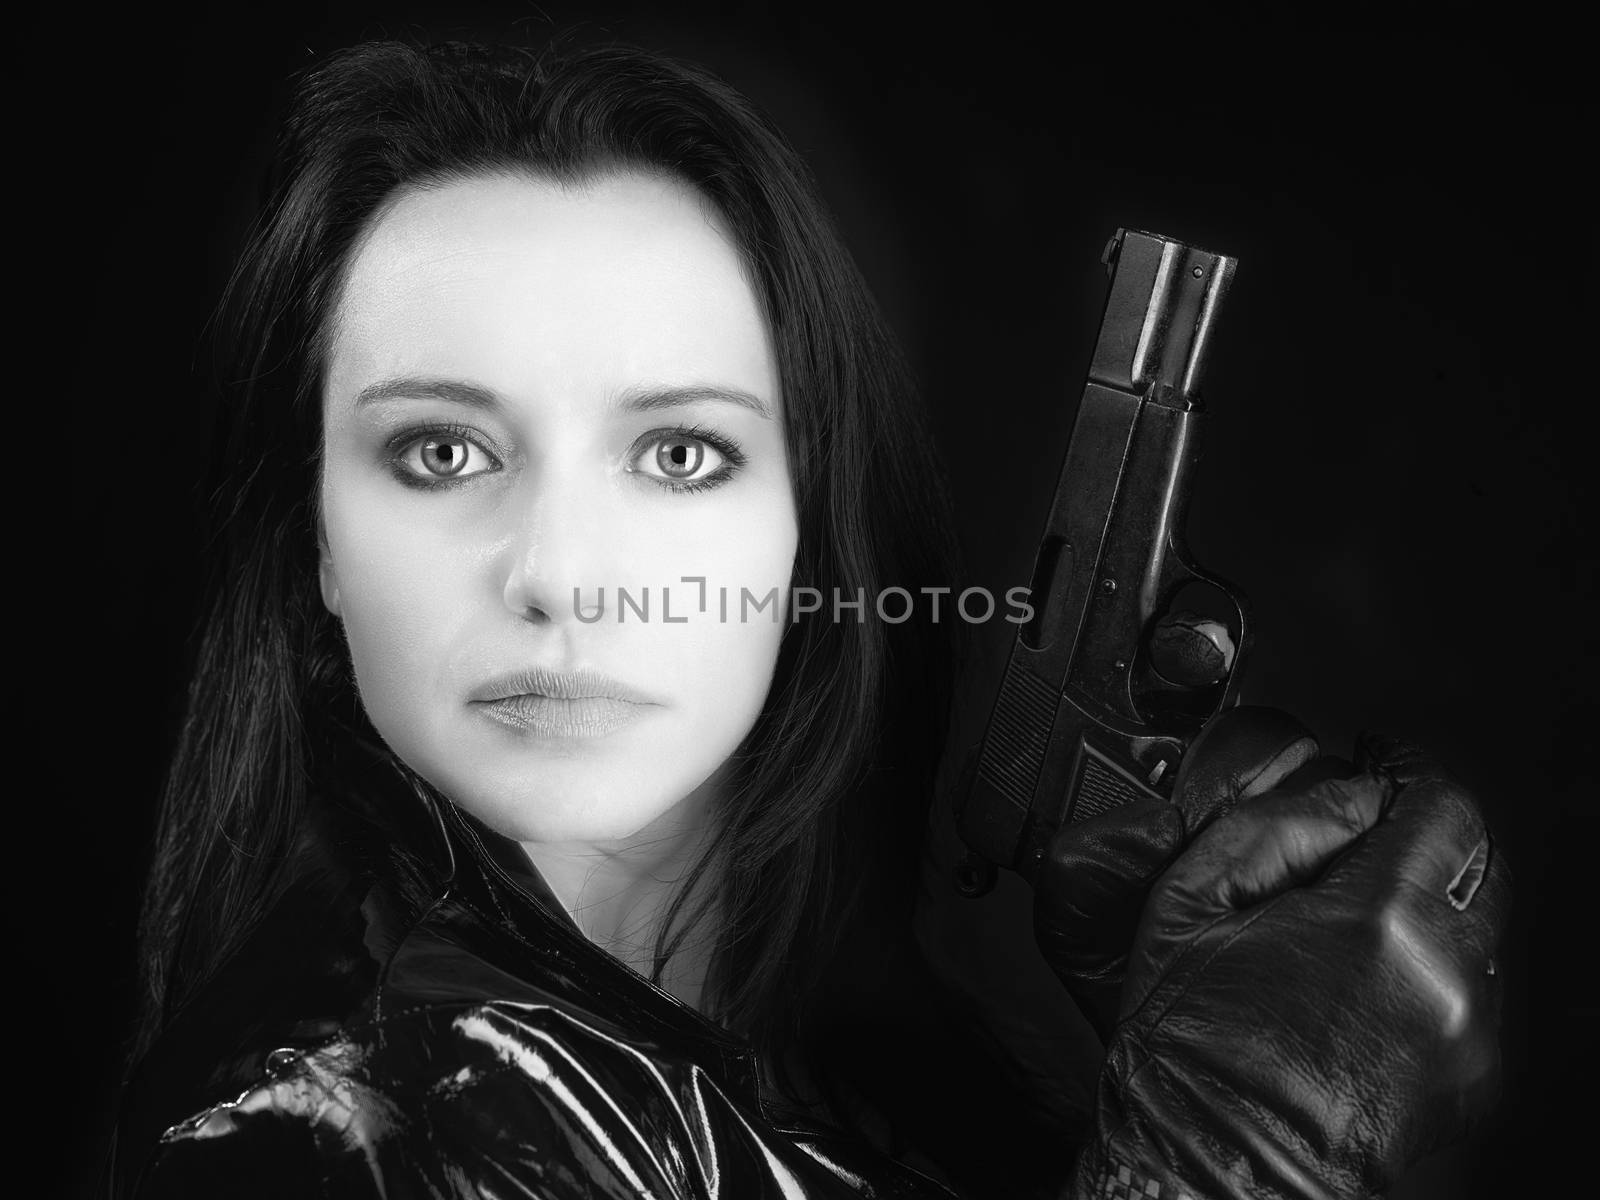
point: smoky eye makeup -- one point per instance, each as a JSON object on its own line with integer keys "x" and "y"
{"x": 679, "y": 458}
{"x": 439, "y": 454}
{"x": 686, "y": 458}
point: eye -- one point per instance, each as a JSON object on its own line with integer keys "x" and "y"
{"x": 682, "y": 457}
{"x": 686, "y": 459}
{"x": 439, "y": 456}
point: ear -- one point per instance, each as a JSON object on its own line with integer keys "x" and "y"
{"x": 327, "y": 575}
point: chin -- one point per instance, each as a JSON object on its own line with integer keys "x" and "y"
{"x": 564, "y": 800}
{"x": 581, "y": 790}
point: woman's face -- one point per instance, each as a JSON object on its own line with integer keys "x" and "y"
{"x": 538, "y": 395}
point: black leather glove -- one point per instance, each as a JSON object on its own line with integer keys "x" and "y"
{"x": 1311, "y": 1001}
{"x": 1092, "y": 884}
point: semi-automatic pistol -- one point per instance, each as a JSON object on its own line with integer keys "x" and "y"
{"x": 1131, "y": 647}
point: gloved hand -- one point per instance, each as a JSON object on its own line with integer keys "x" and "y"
{"x": 1311, "y": 1001}
{"x": 1092, "y": 884}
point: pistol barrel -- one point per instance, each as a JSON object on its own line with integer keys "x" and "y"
{"x": 1160, "y": 315}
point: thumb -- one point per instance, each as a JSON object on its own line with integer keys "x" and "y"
{"x": 1089, "y": 892}
{"x": 1092, "y": 881}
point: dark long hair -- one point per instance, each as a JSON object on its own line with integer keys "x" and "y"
{"x": 833, "y": 781}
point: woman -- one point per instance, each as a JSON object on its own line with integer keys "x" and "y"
{"x": 525, "y": 837}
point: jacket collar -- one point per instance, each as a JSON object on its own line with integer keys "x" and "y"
{"x": 394, "y": 897}
{"x": 495, "y": 930}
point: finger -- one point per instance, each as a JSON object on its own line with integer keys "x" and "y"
{"x": 1094, "y": 878}
{"x": 1190, "y": 650}
{"x": 1433, "y": 835}
{"x": 1327, "y": 766}
{"x": 1266, "y": 845}
{"x": 1281, "y": 839}
{"x": 1431, "y": 863}
{"x": 1403, "y": 761}
{"x": 1242, "y": 752}
{"x": 1455, "y": 846}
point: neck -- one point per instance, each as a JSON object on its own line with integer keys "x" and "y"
{"x": 618, "y": 893}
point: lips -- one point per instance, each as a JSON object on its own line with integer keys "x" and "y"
{"x": 560, "y": 704}
{"x": 544, "y": 716}
{"x": 542, "y": 682}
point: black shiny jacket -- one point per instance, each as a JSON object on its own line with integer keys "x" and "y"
{"x": 473, "y": 1044}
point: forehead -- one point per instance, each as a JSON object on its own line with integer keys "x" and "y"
{"x": 521, "y": 282}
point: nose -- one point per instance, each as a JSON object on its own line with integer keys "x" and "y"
{"x": 551, "y": 568}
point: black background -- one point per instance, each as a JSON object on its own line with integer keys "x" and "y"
{"x": 1396, "y": 468}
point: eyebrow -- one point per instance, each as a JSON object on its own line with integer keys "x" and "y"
{"x": 646, "y": 398}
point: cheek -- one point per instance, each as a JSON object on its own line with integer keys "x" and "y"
{"x": 402, "y": 596}
{"x": 723, "y": 658}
